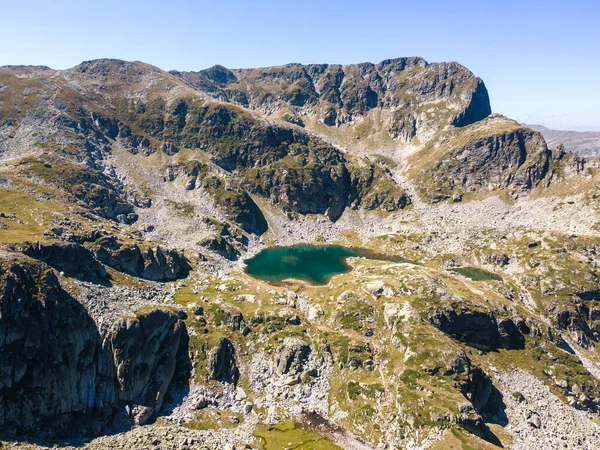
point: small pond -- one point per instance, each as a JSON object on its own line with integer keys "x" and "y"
{"x": 476, "y": 274}
{"x": 313, "y": 263}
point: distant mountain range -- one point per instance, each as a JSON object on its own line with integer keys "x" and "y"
{"x": 583, "y": 143}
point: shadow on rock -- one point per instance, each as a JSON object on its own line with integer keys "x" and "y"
{"x": 54, "y": 378}
{"x": 72, "y": 259}
{"x": 61, "y": 377}
{"x": 488, "y": 403}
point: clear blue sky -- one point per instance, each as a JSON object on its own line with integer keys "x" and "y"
{"x": 539, "y": 59}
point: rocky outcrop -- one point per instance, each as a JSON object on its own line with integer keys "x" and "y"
{"x": 292, "y": 355}
{"x": 221, "y": 246}
{"x": 486, "y": 401}
{"x": 154, "y": 264}
{"x": 517, "y": 159}
{"x": 577, "y": 320}
{"x": 236, "y": 205}
{"x": 72, "y": 259}
{"x": 511, "y": 332}
{"x": 233, "y": 318}
{"x": 58, "y": 372}
{"x": 482, "y": 393}
{"x": 593, "y": 294}
{"x": 85, "y": 184}
{"x": 285, "y": 165}
{"x": 222, "y": 365}
{"x": 78, "y": 261}
{"x": 145, "y": 357}
{"x": 338, "y": 95}
{"x": 479, "y": 329}
{"x": 52, "y": 369}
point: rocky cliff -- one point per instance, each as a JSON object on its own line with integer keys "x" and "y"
{"x": 61, "y": 374}
{"x": 492, "y": 155}
{"x": 53, "y": 369}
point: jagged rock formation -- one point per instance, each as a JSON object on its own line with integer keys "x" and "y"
{"x": 222, "y": 364}
{"x": 74, "y": 260}
{"x": 292, "y": 356}
{"x": 53, "y": 369}
{"x": 492, "y": 155}
{"x": 407, "y": 87}
{"x": 152, "y": 264}
{"x": 145, "y": 357}
{"x": 480, "y": 329}
{"x": 59, "y": 373}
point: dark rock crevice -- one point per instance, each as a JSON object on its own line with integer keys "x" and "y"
{"x": 222, "y": 364}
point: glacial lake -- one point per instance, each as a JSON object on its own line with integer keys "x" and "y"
{"x": 477, "y": 274}
{"x": 313, "y": 263}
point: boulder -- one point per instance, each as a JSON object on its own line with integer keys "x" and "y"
{"x": 378, "y": 288}
{"x": 292, "y": 355}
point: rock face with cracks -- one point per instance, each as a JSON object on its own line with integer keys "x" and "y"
{"x": 51, "y": 349}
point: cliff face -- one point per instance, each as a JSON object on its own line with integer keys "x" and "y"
{"x": 145, "y": 352}
{"x": 491, "y": 155}
{"x": 50, "y": 350}
{"x": 60, "y": 374}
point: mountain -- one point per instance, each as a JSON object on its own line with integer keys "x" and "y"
{"x": 465, "y": 314}
{"x": 415, "y": 95}
{"x": 585, "y": 143}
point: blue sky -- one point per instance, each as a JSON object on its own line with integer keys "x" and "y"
{"x": 539, "y": 59}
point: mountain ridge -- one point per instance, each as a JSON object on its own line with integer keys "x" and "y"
{"x": 131, "y": 196}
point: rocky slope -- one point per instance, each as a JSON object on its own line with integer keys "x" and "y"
{"x": 492, "y": 155}
{"x": 129, "y": 197}
{"x": 582, "y": 143}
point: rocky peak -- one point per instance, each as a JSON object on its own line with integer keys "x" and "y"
{"x": 219, "y": 75}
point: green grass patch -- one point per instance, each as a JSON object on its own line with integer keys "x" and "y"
{"x": 288, "y": 435}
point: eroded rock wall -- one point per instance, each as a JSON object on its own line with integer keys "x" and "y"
{"x": 57, "y": 370}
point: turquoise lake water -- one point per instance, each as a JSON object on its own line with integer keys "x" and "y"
{"x": 313, "y": 263}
